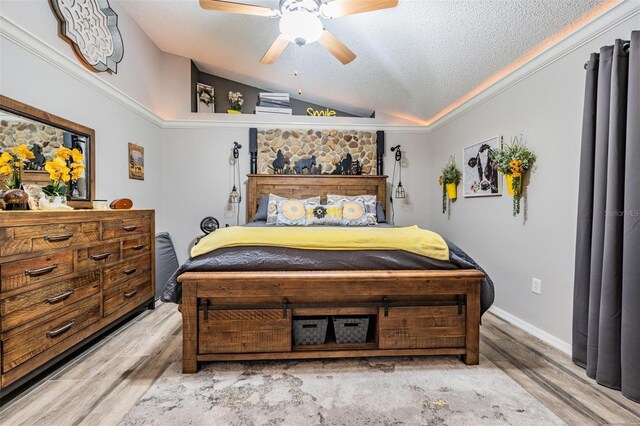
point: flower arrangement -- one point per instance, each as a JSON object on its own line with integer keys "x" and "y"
{"x": 235, "y": 98}
{"x": 449, "y": 179}
{"x": 513, "y": 160}
{"x": 66, "y": 167}
{"x": 12, "y": 164}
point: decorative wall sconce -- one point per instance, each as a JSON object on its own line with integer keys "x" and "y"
{"x": 400, "y": 192}
{"x": 235, "y": 196}
{"x": 91, "y": 27}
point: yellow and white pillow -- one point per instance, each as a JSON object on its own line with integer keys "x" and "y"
{"x": 354, "y": 214}
{"x": 330, "y": 215}
{"x": 291, "y": 213}
{"x": 369, "y": 202}
{"x": 272, "y": 206}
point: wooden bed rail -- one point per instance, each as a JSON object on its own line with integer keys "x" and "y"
{"x": 448, "y": 301}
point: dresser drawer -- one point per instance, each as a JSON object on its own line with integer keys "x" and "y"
{"x": 33, "y": 340}
{"x": 130, "y": 294}
{"x": 118, "y": 228}
{"x": 35, "y": 239}
{"x": 136, "y": 246}
{"x": 105, "y": 254}
{"x": 38, "y": 269}
{"x": 126, "y": 271}
{"x": 25, "y": 307}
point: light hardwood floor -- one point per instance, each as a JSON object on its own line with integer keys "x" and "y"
{"x": 100, "y": 385}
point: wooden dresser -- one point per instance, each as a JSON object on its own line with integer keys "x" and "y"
{"x": 64, "y": 278}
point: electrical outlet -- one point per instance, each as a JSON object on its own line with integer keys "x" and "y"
{"x": 536, "y": 285}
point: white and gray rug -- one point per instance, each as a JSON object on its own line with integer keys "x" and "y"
{"x": 375, "y": 391}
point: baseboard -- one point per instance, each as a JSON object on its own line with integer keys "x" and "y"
{"x": 533, "y": 330}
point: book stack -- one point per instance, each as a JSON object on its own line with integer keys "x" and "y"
{"x": 274, "y": 103}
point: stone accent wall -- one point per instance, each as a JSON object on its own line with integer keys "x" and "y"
{"x": 328, "y": 146}
{"x": 14, "y": 133}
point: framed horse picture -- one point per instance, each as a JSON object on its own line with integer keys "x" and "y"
{"x": 480, "y": 174}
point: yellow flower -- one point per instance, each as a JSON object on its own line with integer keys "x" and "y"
{"x": 22, "y": 152}
{"x": 5, "y": 157}
{"x": 5, "y": 170}
{"x": 79, "y": 166}
{"x": 77, "y": 156}
{"x": 66, "y": 177}
{"x": 64, "y": 152}
{"x": 76, "y": 174}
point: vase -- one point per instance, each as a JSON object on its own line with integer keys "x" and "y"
{"x": 233, "y": 111}
{"x": 57, "y": 200}
{"x": 452, "y": 191}
{"x": 15, "y": 199}
{"x": 510, "y": 184}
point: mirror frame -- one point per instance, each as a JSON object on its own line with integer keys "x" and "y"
{"x": 33, "y": 113}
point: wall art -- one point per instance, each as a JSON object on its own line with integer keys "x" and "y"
{"x": 480, "y": 172}
{"x": 91, "y": 27}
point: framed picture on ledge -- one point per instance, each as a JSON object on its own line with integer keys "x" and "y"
{"x": 205, "y": 96}
{"x": 480, "y": 174}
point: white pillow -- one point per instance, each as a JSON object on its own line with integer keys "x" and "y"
{"x": 272, "y": 206}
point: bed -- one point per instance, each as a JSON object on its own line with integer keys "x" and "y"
{"x": 239, "y": 303}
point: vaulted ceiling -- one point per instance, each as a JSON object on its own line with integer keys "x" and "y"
{"x": 413, "y": 61}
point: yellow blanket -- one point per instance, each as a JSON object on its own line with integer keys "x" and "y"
{"x": 411, "y": 239}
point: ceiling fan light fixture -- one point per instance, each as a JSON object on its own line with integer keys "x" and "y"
{"x": 301, "y": 27}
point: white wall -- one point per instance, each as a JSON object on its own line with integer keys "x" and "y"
{"x": 546, "y": 108}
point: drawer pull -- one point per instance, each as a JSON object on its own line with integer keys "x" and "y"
{"x": 131, "y": 293}
{"x": 138, "y": 247}
{"x": 130, "y": 271}
{"x": 58, "y": 331}
{"x": 41, "y": 271}
{"x": 130, "y": 228}
{"x": 101, "y": 256}
{"x": 58, "y": 298}
{"x": 62, "y": 237}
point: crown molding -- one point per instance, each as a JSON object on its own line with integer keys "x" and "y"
{"x": 583, "y": 35}
{"x": 21, "y": 37}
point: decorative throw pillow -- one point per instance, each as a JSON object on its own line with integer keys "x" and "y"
{"x": 261, "y": 213}
{"x": 369, "y": 202}
{"x": 354, "y": 214}
{"x": 291, "y": 213}
{"x": 380, "y": 216}
{"x": 330, "y": 215}
{"x": 272, "y": 206}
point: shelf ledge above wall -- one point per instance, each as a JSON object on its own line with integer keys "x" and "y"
{"x": 215, "y": 120}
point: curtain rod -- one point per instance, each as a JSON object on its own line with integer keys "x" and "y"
{"x": 625, "y": 49}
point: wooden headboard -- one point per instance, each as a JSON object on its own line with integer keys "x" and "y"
{"x": 305, "y": 186}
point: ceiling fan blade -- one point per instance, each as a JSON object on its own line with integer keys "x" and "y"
{"x": 275, "y": 50}
{"x": 336, "y": 47}
{"x": 232, "y": 7}
{"x": 338, "y": 8}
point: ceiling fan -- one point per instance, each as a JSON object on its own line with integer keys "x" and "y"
{"x": 300, "y": 22}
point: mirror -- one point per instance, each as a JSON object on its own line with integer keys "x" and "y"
{"x": 43, "y": 134}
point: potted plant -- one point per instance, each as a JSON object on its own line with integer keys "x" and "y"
{"x": 12, "y": 165}
{"x": 66, "y": 167}
{"x": 449, "y": 180}
{"x": 513, "y": 160}
{"x": 236, "y": 101}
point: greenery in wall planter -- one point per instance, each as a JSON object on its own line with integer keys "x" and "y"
{"x": 513, "y": 160}
{"x": 449, "y": 180}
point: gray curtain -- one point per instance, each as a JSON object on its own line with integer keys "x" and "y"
{"x": 606, "y": 308}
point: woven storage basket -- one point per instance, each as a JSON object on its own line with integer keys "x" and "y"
{"x": 351, "y": 329}
{"x": 310, "y": 331}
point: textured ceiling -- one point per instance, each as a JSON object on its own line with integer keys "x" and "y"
{"x": 413, "y": 61}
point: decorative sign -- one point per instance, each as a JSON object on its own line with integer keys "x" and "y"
{"x": 91, "y": 27}
{"x": 321, "y": 113}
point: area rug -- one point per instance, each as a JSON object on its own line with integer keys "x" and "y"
{"x": 375, "y": 391}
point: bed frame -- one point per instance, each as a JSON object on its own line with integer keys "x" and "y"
{"x": 230, "y": 316}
